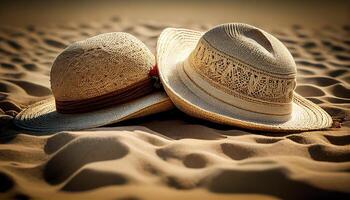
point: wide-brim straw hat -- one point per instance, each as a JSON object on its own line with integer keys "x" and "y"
{"x": 86, "y": 79}
{"x": 43, "y": 117}
{"x": 246, "y": 46}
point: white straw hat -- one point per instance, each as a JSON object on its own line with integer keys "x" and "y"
{"x": 98, "y": 81}
{"x": 235, "y": 74}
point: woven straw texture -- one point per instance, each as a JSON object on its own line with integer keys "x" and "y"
{"x": 91, "y": 68}
{"x": 100, "y": 65}
{"x": 210, "y": 91}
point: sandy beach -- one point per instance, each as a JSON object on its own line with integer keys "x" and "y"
{"x": 171, "y": 155}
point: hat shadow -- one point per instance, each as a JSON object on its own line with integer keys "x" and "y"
{"x": 172, "y": 124}
{"x": 177, "y": 125}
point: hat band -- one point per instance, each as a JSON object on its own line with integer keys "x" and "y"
{"x": 114, "y": 98}
{"x": 248, "y": 110}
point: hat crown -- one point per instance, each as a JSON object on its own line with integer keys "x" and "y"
{"x": 245, "y": 67}
{"x": 252, "y": 46}
{"x": 100, "y": 65}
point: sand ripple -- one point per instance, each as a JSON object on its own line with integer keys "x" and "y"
{"x": 171, "y": 155}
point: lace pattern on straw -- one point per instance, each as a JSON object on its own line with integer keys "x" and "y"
{"x": 239, "y": 79}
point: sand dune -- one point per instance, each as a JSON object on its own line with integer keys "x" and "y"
{"x": 171, "y": 155}
{"x": 295, "y": 166}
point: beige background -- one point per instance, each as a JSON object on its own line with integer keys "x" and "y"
{"x": 266, "y": 13}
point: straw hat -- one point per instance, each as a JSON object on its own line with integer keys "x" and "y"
{"x": 98, "y": 81}
{"x": 235, "y": 74}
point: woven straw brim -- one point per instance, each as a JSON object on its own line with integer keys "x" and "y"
{"x": 175, "y": 45}
{"x": 42, "y": 116}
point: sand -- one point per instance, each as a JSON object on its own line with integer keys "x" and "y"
{"x": 171, "y": 155}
